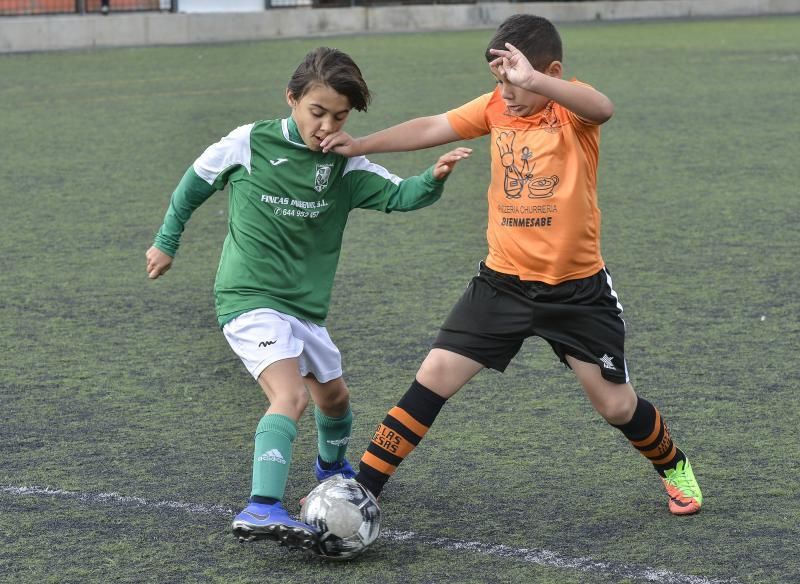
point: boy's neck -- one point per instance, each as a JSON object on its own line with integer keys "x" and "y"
{"x": 294, "y": 133}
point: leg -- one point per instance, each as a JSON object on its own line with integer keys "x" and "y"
{"x": 643, "y": 426}
{"x": 284, "y": 388}
{"x": 616, "y": 402}
{"x": 277, "y": 430}
{"x": 331, "y": 398}
{"x": 485, "y": 328}
{"x": 265, "y": 517}
{"x": 440, "y": 376}
{"x": 445, "y": 372}
{"x": 334, "y": 422}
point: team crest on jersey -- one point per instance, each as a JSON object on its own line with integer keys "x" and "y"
{"x": 322, "y": 177}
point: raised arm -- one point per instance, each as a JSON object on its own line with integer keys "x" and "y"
{"x": 586, "y": 102}
{"x": 414, "y": 134}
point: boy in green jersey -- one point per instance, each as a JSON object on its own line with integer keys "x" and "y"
{"x": 288, "y": 206}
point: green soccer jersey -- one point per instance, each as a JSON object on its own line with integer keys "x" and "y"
{"x": 288, "y": 207}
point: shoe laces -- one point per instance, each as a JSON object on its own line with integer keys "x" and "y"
{"x": 683, "y": 481}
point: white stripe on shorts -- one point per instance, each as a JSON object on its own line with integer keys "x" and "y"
{"x": 619, "y": 305}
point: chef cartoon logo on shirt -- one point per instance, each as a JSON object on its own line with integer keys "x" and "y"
{"x": 519, "y": 176}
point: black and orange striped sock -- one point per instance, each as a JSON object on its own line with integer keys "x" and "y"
{"x": 650, "y": 436}
{"x": 402, "y": 429}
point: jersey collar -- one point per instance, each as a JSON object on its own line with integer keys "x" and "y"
{"x": 291, "y": 133}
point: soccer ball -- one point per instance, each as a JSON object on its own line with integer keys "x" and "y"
{"x": 346, "y": 514}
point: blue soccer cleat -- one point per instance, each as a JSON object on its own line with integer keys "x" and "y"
{"x": 341, "y": 468}
{"x": 262, "y": 521}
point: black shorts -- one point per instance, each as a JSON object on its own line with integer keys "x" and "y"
{"x": 497, "y": 312}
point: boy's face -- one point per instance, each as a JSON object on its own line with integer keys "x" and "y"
{"x": 321, "y": 111}
{"x": 521, "y": 102}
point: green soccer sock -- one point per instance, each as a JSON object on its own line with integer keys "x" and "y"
{"x": 333, "y": 435}
{"x": 272, "y": 456}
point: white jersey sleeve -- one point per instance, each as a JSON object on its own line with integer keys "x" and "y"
{"x": 231, "y": 151}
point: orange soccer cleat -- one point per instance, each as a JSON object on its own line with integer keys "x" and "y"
{"x": 684, "y": 493}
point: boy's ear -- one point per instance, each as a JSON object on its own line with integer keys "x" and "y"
{"x": 555, "y": 69}
{"x": 290, "y": 99}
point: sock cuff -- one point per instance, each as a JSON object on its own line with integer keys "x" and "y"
{"x": 643, "y": 421}
{"x": 421, "y": 403}
{"x": 278, "y": 423}
{"x": 324, "y": 421}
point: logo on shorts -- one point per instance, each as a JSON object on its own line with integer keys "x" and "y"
{"x": 266, "y": 343}
{"x": 273, "y": 455}
{"x": 608, "y": 361}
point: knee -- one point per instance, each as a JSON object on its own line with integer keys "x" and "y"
{"x": 617, "y": 409}
{"x": 445, "y": 372}
{"x": 332, "y": 398}
{"x": 434, "y": 370}
{"x": 336, "y": 402}
{"x": 295, "y": 401}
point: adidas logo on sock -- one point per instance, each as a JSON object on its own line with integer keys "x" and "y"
{"x": 341, "y": 442}
{"x": 273, "y": 455}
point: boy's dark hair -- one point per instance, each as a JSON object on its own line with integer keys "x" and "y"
{"x": 335, "y": 69}
{"x": 534, "y": 36}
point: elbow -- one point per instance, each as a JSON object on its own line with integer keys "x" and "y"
{"x": 605, "y": 111}
{"x": 608, "y": 111}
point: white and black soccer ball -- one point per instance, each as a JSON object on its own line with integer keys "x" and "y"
{"x": 346, "y": 514}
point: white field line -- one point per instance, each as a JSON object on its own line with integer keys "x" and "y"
{"x": 540, "y": 557}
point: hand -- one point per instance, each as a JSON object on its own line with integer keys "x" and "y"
{"x": 340, "y": 143}
{"x": 447, "y": 162}
{"x": 157, "y": 262}
{"x": 512, "y": 66}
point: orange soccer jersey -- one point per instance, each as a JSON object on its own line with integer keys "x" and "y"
{"x": 544, "y": 222}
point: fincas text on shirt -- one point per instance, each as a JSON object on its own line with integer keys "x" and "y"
{"x": 309, "y": 204}
{"x": 275, "y": 199}
{"x": 284, "y": 200}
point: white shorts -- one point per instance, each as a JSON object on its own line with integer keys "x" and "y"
{"x": 262, "y": 336}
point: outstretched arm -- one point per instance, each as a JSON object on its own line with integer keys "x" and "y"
{"x": 374, "y": 187}
{"x": 425, "y": 189}
{"x": 588, "y": 103}
{"x": 414, "y": 134}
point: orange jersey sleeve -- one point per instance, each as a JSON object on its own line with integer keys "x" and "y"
{"x": 469, "y": 121}
{"x": 544, "y": 222}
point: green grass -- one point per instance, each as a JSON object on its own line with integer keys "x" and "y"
{"x": 111, "y": 383}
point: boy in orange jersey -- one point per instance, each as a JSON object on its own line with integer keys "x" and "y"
{"x": 544, "y": 274}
